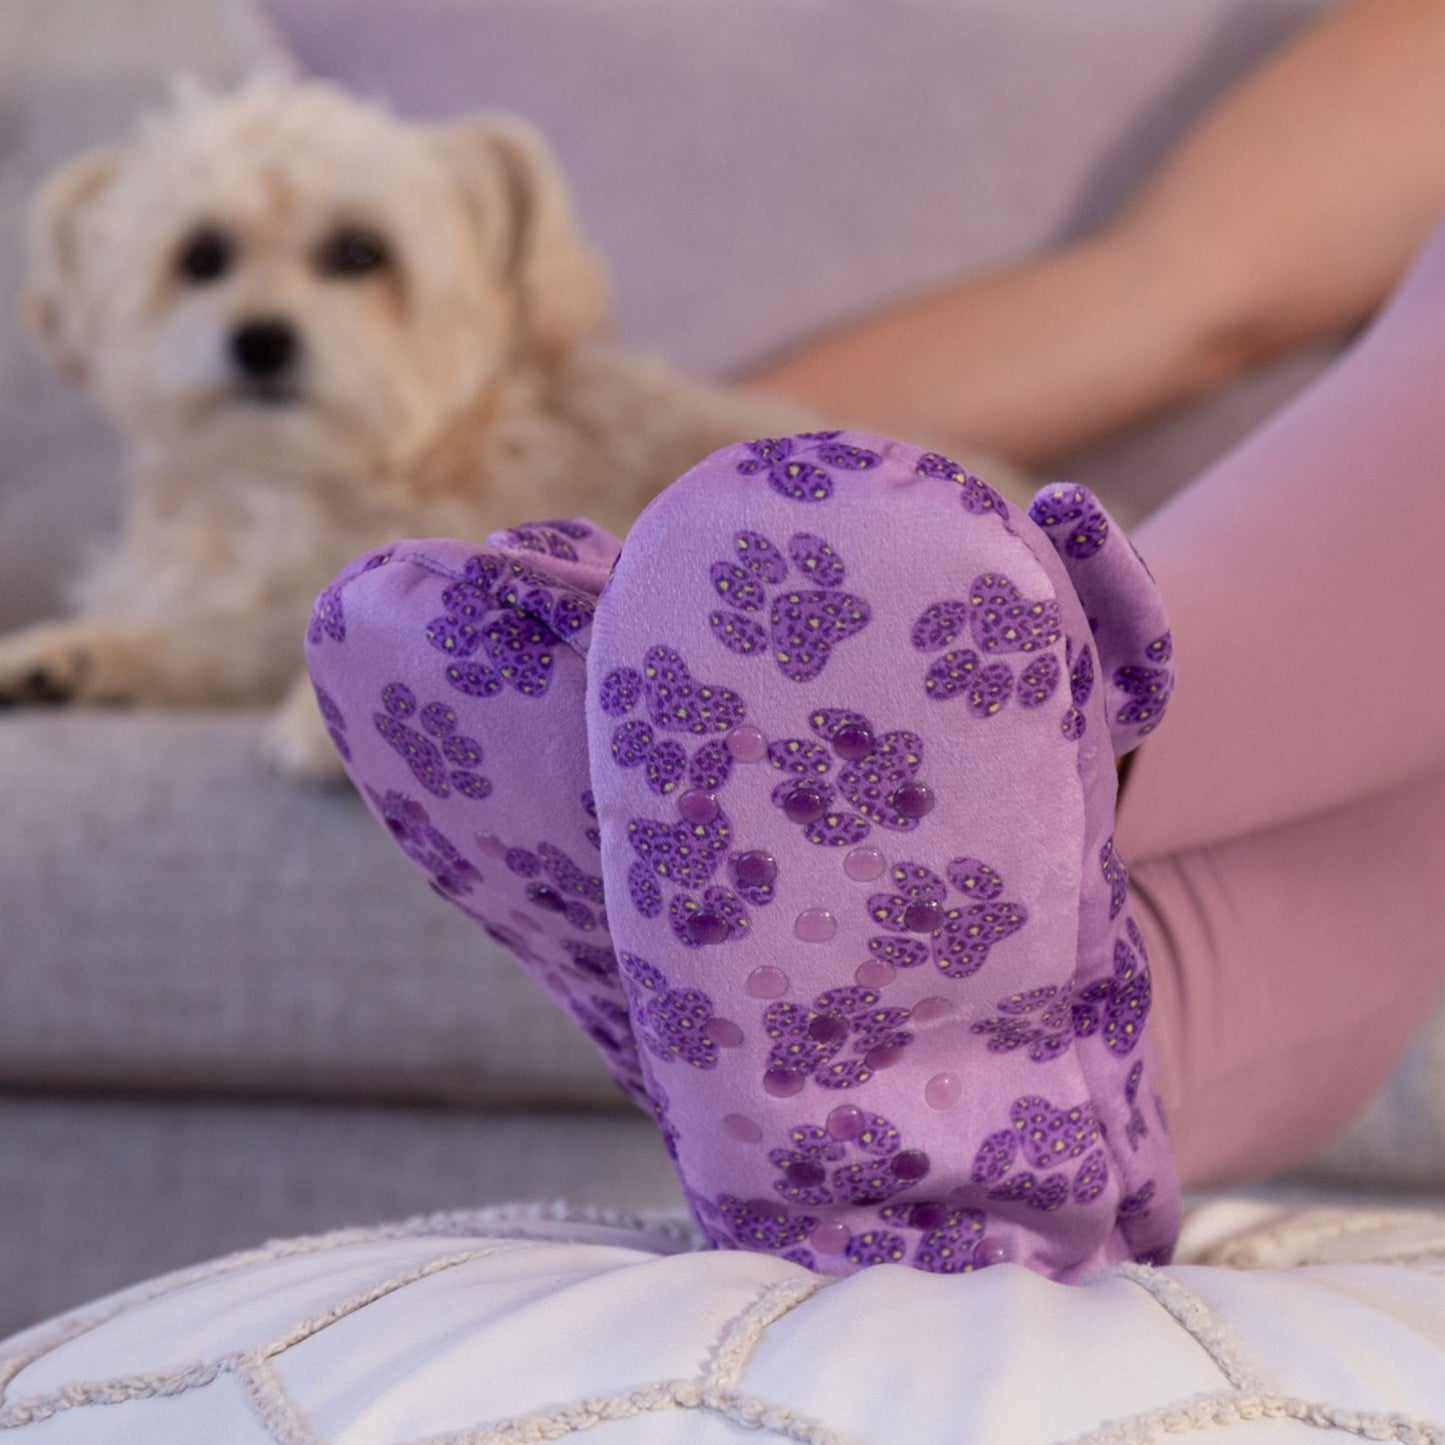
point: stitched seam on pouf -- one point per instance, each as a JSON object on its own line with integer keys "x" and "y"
{"x": 1190, "y": 1312}
{"x": 278, "y": 1413}
{"x": 1208, "y": 1412}
{"x": 461, "y": 1222}
{"x": 741, "y": 1408}
{"x": 193, "y": 1376}
{"x": 316, "y": 1323}
{"x": 740, "y": 1338}
{"x": 579, "y": 1415}
{"x": 113, "y": 1392}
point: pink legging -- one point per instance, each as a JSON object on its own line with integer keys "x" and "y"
{"x": 1286, "y": 827}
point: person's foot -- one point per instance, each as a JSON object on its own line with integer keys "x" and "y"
{"x": 852, "y": 755}
{"x": 452, "y": 680}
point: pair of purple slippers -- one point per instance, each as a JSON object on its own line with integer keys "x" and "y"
{"x": 802, "y": 804}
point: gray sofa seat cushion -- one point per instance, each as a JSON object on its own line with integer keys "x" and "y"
{"x": 177, "y": 918}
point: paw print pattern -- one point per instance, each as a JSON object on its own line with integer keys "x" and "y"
{"x": 856, "y": 1161}
{"x": 1137, "y": 1128}
{"x": 328, "y": 617}
{"x": 1115, "y": 875}
{"x": 755, "y": 1224}
{"x": 1047, "y": 1020}
{"x": 718, "y": 916}
{"x": 503, "y": 625}
{"x": 1081, "y": 688}
{"x": 999, "y": 620}
{"x": 807, "y": 1039}
{"x": 839, "y": 809}
{"x": 328, "y": 613}
{"x": 666, "y": 762}
{"x": 1116, "y": 1008}
{"x": 1124, "y": 610}
{"x": 1050, "y": 1139}
{"x": 1041, "y": 1020}
{"x": 634, "y": 745}
{"x": 976, "y": 495}
{"x": 592, "y": 833}
{"x": 953, "y": 1239}
{"x": 950, "y": 1243}
{"x": 441, "y": 759}
{"x": 805, "y": 468}
{"x": 876, "y": 1246}
{"x": 685, "y": 856}
{"x": 804, "y": 1164}
{"x": 1136, "y": 1205}
{"x": 658, "y": 1106}
{"x": 674, "y": 700}
{"x": 804, "y": 625}
{"x": 448, "y": 872}
{"x": 331, "y": 715}
{"x": 559, "y": 886}
{"x": 814, "y": 1171}
{"x": 1147, "y": 691}
{"x": 596, "y": 959}
{"x": 924, "y": 925}
{"x": 1074, "y": 523}
{"x": 674, "y": 1023}
{"x": 551, "y": 539}
{"x": 673, "y": 857}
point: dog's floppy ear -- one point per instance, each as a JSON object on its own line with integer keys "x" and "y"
{"x": 54, "y": 301}
{"x": 502, "y": 161}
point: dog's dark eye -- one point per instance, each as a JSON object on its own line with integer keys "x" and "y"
{"x": 351, "y": 253}
{"x": 207, "y": 256}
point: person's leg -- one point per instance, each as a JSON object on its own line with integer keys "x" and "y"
{"x": 1304, "y": 581}
{"x": 1291, "y": 968}
{"x": 1287, "y": 824}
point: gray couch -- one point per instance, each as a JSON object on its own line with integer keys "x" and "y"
{"x": 228, "y": 1011}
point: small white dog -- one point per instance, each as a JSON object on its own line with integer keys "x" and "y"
{"x": 320, "y": 329}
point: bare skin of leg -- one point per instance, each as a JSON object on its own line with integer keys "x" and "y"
{"x": 1285, "y": 216}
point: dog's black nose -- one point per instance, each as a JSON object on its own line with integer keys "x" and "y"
{"x": 265, "y": 348}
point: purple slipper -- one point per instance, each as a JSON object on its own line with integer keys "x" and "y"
{"x": 853, "y": 723}
{"x": 452, "y": 680}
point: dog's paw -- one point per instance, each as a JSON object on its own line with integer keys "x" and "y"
{"x": 297, "y": 743}
{"x": 45, "y": 666}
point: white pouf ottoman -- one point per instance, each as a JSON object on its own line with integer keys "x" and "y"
{"x": 529, "y": 1325}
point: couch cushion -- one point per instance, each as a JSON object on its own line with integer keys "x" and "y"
{"x": 177, "y": 917}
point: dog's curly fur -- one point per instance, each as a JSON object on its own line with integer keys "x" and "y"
{"x": 431, "y": 361}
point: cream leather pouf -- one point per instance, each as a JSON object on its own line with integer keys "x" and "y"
{"x": 529, "y": 1325}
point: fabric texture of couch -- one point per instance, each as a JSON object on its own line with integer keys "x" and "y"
{"x": 227, "y": 1011}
